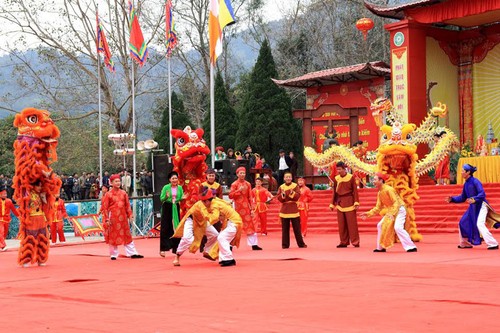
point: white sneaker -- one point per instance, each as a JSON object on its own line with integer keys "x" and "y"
{"x": 25, "y": 265}
{"x": 42, "y": 264}
{"x": 3, "y": 249}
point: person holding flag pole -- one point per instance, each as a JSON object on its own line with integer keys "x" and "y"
{"x": 171, "y": 42}
{"x": 102, "y": 47}
{"x": 138, "y": 53}
{"x": 221, "y": 15}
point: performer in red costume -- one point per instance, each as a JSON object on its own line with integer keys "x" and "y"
{"x": 241, "y": 194}
{"x": 56, "y": 227}
{"x": 261, "y": 197}
{"x": 116, "y": 215}
{"x": 442, "y": 174}
{"x": 34, "y": 247}
{"x": 6, "y": 207}
{"x": 303, "y": 204}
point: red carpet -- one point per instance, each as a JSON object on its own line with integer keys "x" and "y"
{"x": 318, "y": 289}
{"x": 432, "y": 212}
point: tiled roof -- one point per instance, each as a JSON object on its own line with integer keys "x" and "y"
{"x": 397, "y": 11}
{"x": 339, "y": 75}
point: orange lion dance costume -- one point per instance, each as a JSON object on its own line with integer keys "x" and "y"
{"x": 35, "y": 150}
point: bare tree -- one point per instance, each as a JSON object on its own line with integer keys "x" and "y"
{"x": 320, "y": 34}
{"x": 64, "y": 33}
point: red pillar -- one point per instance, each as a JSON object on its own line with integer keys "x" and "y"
{"x": 306, "y": 116}
{"x": 408, "y": 72}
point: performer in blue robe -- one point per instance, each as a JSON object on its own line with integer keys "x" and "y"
{"x": 472, "y": 225}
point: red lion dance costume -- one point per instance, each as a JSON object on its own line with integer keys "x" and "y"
{"x": 189, "y": 162}
{"x": 34, "y": 150}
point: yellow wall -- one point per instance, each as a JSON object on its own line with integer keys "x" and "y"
{"x": 442, "y": 71}
{"x": 486, "y": 92}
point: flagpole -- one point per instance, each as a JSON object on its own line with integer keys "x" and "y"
{"x": 170, "y": 110}
{"x": 134, "y": 192}
{"x": 100, "y": 116}
{"x": 100, "y": 111}
{"x": 212, "y": 115}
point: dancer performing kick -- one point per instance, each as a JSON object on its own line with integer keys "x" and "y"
{"x": 473, "y": 224}
{"x": 231, "y": 229}
{"x": 392, "y": 208}
{"x": 194, "y": 225}
{"x": 116, "y": 215}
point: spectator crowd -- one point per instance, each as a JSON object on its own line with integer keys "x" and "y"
{"x": 88, "y": 186}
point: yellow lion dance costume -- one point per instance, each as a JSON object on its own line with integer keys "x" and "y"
{"x": 396, "y": 154}
{"x": 35, "y": 150}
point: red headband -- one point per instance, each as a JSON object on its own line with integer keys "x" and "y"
{"x": 241, "y": 169}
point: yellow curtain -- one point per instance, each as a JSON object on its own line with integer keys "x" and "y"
{"x": 488, "y": 168}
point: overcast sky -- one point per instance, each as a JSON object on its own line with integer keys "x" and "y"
{"x": 273, "y": 10}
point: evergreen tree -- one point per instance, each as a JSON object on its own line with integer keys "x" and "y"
{"x": 180, "y": 120}
{"x": 8, "y": 134}
{"x": 266, "y": 121}
{"x": 226, "y": 121}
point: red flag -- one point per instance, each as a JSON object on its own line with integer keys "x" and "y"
{"x": 103, "y": 47}
{"x": 137, "y": 45}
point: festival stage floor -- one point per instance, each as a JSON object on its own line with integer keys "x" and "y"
{"x": 318, "y": 289}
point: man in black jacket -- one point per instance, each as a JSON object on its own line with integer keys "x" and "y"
{"x": 284, "y": 164}
{"x": 294, "y": 165}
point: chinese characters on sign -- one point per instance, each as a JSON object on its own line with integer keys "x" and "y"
{"x": 400, "y": 80}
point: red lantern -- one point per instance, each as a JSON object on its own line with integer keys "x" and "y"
{"x": 364, "y": 25}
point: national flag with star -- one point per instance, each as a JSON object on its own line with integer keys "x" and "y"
{"x": 137, "y": 45}
{"x": 103, "y": 47}
{"x": 221, "y": 15}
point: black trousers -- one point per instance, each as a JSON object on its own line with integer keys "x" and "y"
{"x": 167, "y": 229}
{"x": 285, "y": 232}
